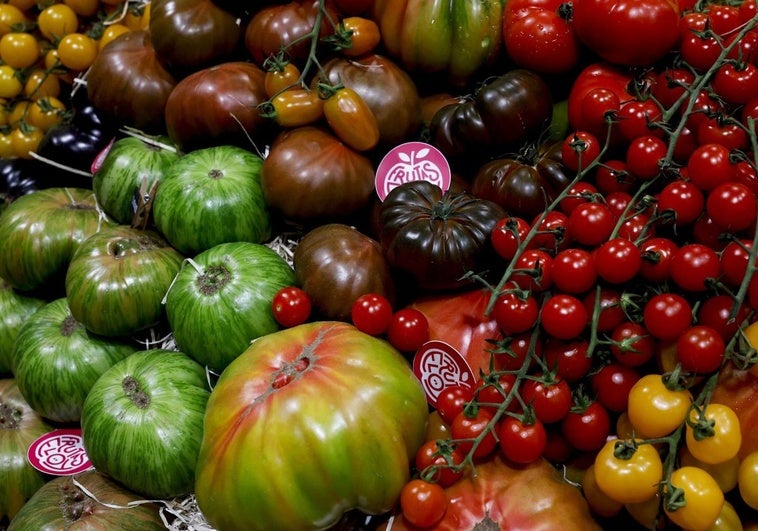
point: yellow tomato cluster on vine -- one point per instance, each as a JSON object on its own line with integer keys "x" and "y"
{"x": 44, "y": 48}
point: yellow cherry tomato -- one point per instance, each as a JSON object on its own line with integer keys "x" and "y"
{"x": 11, "y": 19}
{"x": 42, "y": 84}
{"x": 83, "y": 8}
{"x": 6, "y": 146}
{"x": 725, "y": 473}
{"x": 645, "y": 513}
{"x": 57, "y": 21}
{"x": 25, "y": 140}
{"x": 728, "y": 519}
{"x": 654, "y": 409}
{"x": 18, "y": 112}
{"x": 23, "y": 5}
{"x": 695, "y": 500}
{"x": 77, "y": 51}
{"x": 630, "y": 477}
{"x": 718, "y": 443}
{"x": 10, "y": 84}
{"x": 747, "y": 479}
{"x": 19, "y": 49}
{"x": 351, "y": 119}
{"x": 297, "y": 107}
{"x": 599, "y": 502}
{"x": 111, "y": 32}
{"x": 138, "y": 17}
{"x": 44, "y": 113}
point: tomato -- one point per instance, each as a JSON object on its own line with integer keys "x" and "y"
{"x": 636, "y": 118}
{"x": 574, "y": 271}
{"x": 351, "y": 119}
{"x": 591, "y": 223}
{"x": 666, "y": 315}
{"x": 291, "y": 306}
{"x": 451, "y": 401}
{"x": 46, "y": 112}
{"x": 522, "y": 442}
{"x": 423, "y": 503}
{"x": 615, "y": 29}
{"x": 732, "y": 206}
{"x": 507, "y": 236}
{"x": 549, "y": 397}
{"x": 83, "y": 8}
{"x": 748, "y": 479}
{"x": 42, "y": 84}
{"x": 57, "y": 21}
{"x": 631, "y": 345}
{"x": 716, "y": 312}
{"x": 600, "y": 503}
{"x": 25, "y": 140}
{"x": 439, "y": 461}
{"x": 628, "y": 478}
{"x": 700, "y": 50}
{"x": 11, "y": 18}
{"x": 725, "y": 473}
{"x": 656, "y": 258}
{"x": 618, "y": 260}
{"x": 295, "y": 107}
{"x": 568, "y": 359}
{"x": 577, "y": 194}
{"x": 695, "y": 266}
{"x": 552, "y": 234}
{"x": 681, "y": 199}
{"x": 474, "y": 433}
{"x": 644, "y": 155}
{"x": 580, "y": 149}
{"x": 563, "y": 316}
{"x": 587, "y": 428}
{"x": 714, "y": 435}
{"x": 654, "y": 409}
{"x": 280, "y": 76}
{"x": 111, "y": 32}
{"x": 10, "y": 84}
{"x": 692, "y": 499}
{"x": 736, "y": 85}
{"x": 408, "y": 330}
{"x": 710, "y": 165}
{"x": 604, "y": 76}
{"x": 736, "y": 389}
{"x": 700, "y": 349}
{"x": 612, "y": 385}
{"x": 364, "y": 36}
{"x": 515, "y": 311}
{"x": 19, "y": 49}
{"x": 717, "y": 130}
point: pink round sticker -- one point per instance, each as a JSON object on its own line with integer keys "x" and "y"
{"x": 439, "y": 365}
{"x": 59, "y": 453}
{"x": 412, "y": 161}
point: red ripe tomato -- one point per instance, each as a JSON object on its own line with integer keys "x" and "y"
{"x": 732, "y": 206}
{"x": 552, "y": 233}
{"x": 670, "y": 84}
{"x": 451, "y": 401}
{"x": 291, "y": 306}
{"x": 644, "y": 154}
{"x": 492, "y": 392}
{"x": 683, "y": 199}
{"x": 522, "y": 443}
{"x": 635, "y": 119}
{"x": 591, "y": 223}
{"x": 408, "y": 330}
{"x": 563, "y": 316}
{"x": 724, "y": 19}
{"x": 515, "y": 311}
{"x": 718, "y": 131}
{"x": 614, "y": 176}
{"x": 611, "y": 385}
{"x": 587, "y": 429}
{"x": 620, "y": 31}
{"x": 736, "y": 84}
{"x": 709, "y": 166}
{"x": 423, "y": 503}
{"x": 550, "y": 399}
{"x": 577, "y": 194}
{"x": 371, "y": 313}
{"x": 515, "y": 351}
{"x": 475, "y": 433}
{"x": 618, "y": 260}
{"x": 507, "y": 235}
{"x": 580, "y": 149}
{"x": 429, "y": 455}
{"x": 597, "y": 107}
{"x": 735, "y": 258}
{"x": 746, "y": 174}
{"x": 656, "y": 258}
{"x": 568, "y": 359}
{"x": 700, "y": 349}
{"x": 667, "y": 315}
{"x": 574, "y": 271}
{"x": 694, "y": 266}
{"x": 606, "y": 307}
{"x": 533, "y": 271}
{"x": 699, "y": 50}
{"x": 716, "y": 312}
{"x": 632, "y": 345}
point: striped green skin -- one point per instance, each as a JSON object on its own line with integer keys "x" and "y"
{"x": 222, "y": 301}
{"x": 51, "y": 507}
{"x": 40, "y": 231}
{"x": 18, "y": 479}
{"x": 339, "y": 435}
{"x": 128, "y": 162}
{"x": 117, "y": 279}
{"x": 56, "y": 361}
{"x": 212, "y": 196}
{"x": 15, "y": 309}
{"x": 153, "y": 449}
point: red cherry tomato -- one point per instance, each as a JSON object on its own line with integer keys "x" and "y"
{"x": 408, "y": 330}
{"x": 371, "y": 313}
{"x": 291, "y": 306}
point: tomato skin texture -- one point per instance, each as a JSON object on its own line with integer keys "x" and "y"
{"x": 364, "y": 36}
{"x": 471, "y": 427}
{"x": 539, "y": 39}
{"x": 702, "y": 495}
{"x": 451, "y": 401}
{"x": 423, "y": 503}
{"x": 632, "y": 480}
{"x": 617, "y": 30}
{"x": 551, "y": 400}
{"x": 653, "y": 409}
{"x": 351, "y": 119}
{"x": 694, "y": 266}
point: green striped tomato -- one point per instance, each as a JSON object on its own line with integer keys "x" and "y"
{"x": 221, "y": 300}
{"x": 211, "y": 196}
{"x": 308, "y": 423}
{"x": 117, "y": 279}
{"x": 15, "y": 309}
{"x": 56, "y": 361}
{"x": 142, "y": 422}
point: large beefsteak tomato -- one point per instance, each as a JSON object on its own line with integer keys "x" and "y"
{"x": 221, "y": 300}
{"x": 15, "y": 309}
{"x": 308, "y": 423}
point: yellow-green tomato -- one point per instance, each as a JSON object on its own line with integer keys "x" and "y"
{"x": 632, "y": 479}
{"x": 702, "y": 499}
{"x": 655, "y": 410}
{"x": 723, "y": 443}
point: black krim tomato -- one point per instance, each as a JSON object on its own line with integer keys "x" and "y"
{"x": 211, "y": 196}
{"x": 19, "y": 427}
{"x": 435, "y": 238}
{"x": 15, "y": 309}
{"x": 526, "y": 184}
{"x": 192, "y": 34}
{"x": 503, "y": 114}
{"x": 335, "y": 264}
{"x": 89, "y": 499}
{"x": 56, "y": 361}
{"x": 142, "y": 422}
{"x": 130, "y": 166}
{"x": 220, "y": 303}
{"x": 128, "y": 83}
{"x": 117, "y": 278}
{"x": 40, "y": 231}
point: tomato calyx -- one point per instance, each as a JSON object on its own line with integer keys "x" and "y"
{"x": 674, "y": 498}
{"x": 702, "y": 426}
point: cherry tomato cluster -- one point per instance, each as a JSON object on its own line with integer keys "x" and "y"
{"x": 44, "y": 48}
{"x": 622, "y": 301}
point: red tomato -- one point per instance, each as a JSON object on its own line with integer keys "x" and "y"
{"x": 408, "y": 330}
{"x": 656, "y": 258}
{"x": 515, "y": 311}
{"x": 443, "y": 463}
{"x": 580, "y": 149}
{"x": 606, "y": 306}
{"x": 563, "y": 316}
{"x": 474, "y": 433}
{"x": 618, "y": 260}
{"x": 568, "y": 359}
{"x": 644, "y": 155}
{"x": 550, "y": 399}
{"x": 599, "y": 75}
{"x": 700, "y": 349}
{"x": 636, "y": 119}
{"x": 587, "y": 429}
{"x": 735, "y": 259}
{"x": 683, "y": 200}
{"x": 736, "y": 84}
{"x": 291, "y": 306}
{"x": 732, "y": 206}
{"x": 507, "y": 236}
{"x": 574, "y": 271}
{"x": 423, "y": 503}
{"x": 716, "y": 312}
{"x": 522, "y": 443}
{"x": 710, "y": 166}
{"x": 533, "y": 271}
{"x": 612, "y": 384}
{"x": 451, "y": 401}
{"x": 591, "y": 223}
{"x": 694, "y": 266}
{"x": 631, "y": 345}
{"x": 371, "y": 313}
{"x": 667, "y": 315}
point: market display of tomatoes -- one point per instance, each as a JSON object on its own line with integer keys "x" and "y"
{"x": 380, "y": 264}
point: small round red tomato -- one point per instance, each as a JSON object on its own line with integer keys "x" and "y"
{"x": 735, "y": 259}
{"x": 683, "y": 199}
{"x": 423, "y": 503}
{"x": 522, "y": 443}
{"x": 579, "y": 150}
{"x": 606, "y": 307}
{"x": 371, "y": 313}
{"x": 474, "y": 433}
{"x": 541, "y": 40}
{"x": 666, "y": 315}
{"x": 732, "y": 206}
{"x": 591, "y": 223}
{"x": 612, "y": 384}
{"x": 632, "y": 345}
{"x": 636, "y": 118}
{"x": 439, "y": 463}
{"x": 563, "y": 316}
{"x": 670, "y": 84}
{"x": 656, "y": 258}
{"x": 550, "y": 399}
{"x": 291, "y": 306}
{"x": 577, "y": 194}
{"x": 574, "y": 271}
{"x": 694, "y": 266}
{"x": 408, "y": 330}
{"x": 515, "y": 311}
{"x": 587, "y": 429}
{"x": 700, "y": 349}
{"x": 716, "y": 312}
{"x": 552, "y": 233}
{"x": 618, "y": 260}
{"x": 716, "y": 130}
{"x": 613, "y": 176}
{"x": 699, "y": 50}
{"x": 709, "y": 165}
{"x": 598, "y": 106}
{"x": 533, "y": 271}
{"x": 644, "y": 154}
{"x": 507, "y": 236}
{"x": 452, "y": 400}
{"x": 737, "y": 84}
{"x": 568, "y": 359}
{"x": 492, "y": 392}
{"x": 515, "y": 351}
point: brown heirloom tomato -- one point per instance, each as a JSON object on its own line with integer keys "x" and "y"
{"x": 523, "y": 185}
{"x": 191, "y": 34}
{"x": 386, "y": 88}
{"x": 219, "y": 105}
{"x": 502, "y": 115}
{"x": 437, "y": 238}
{"x": 335, "y": 264}
{"x": 129, "y": 83}
{"x": 309, "y": 176}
